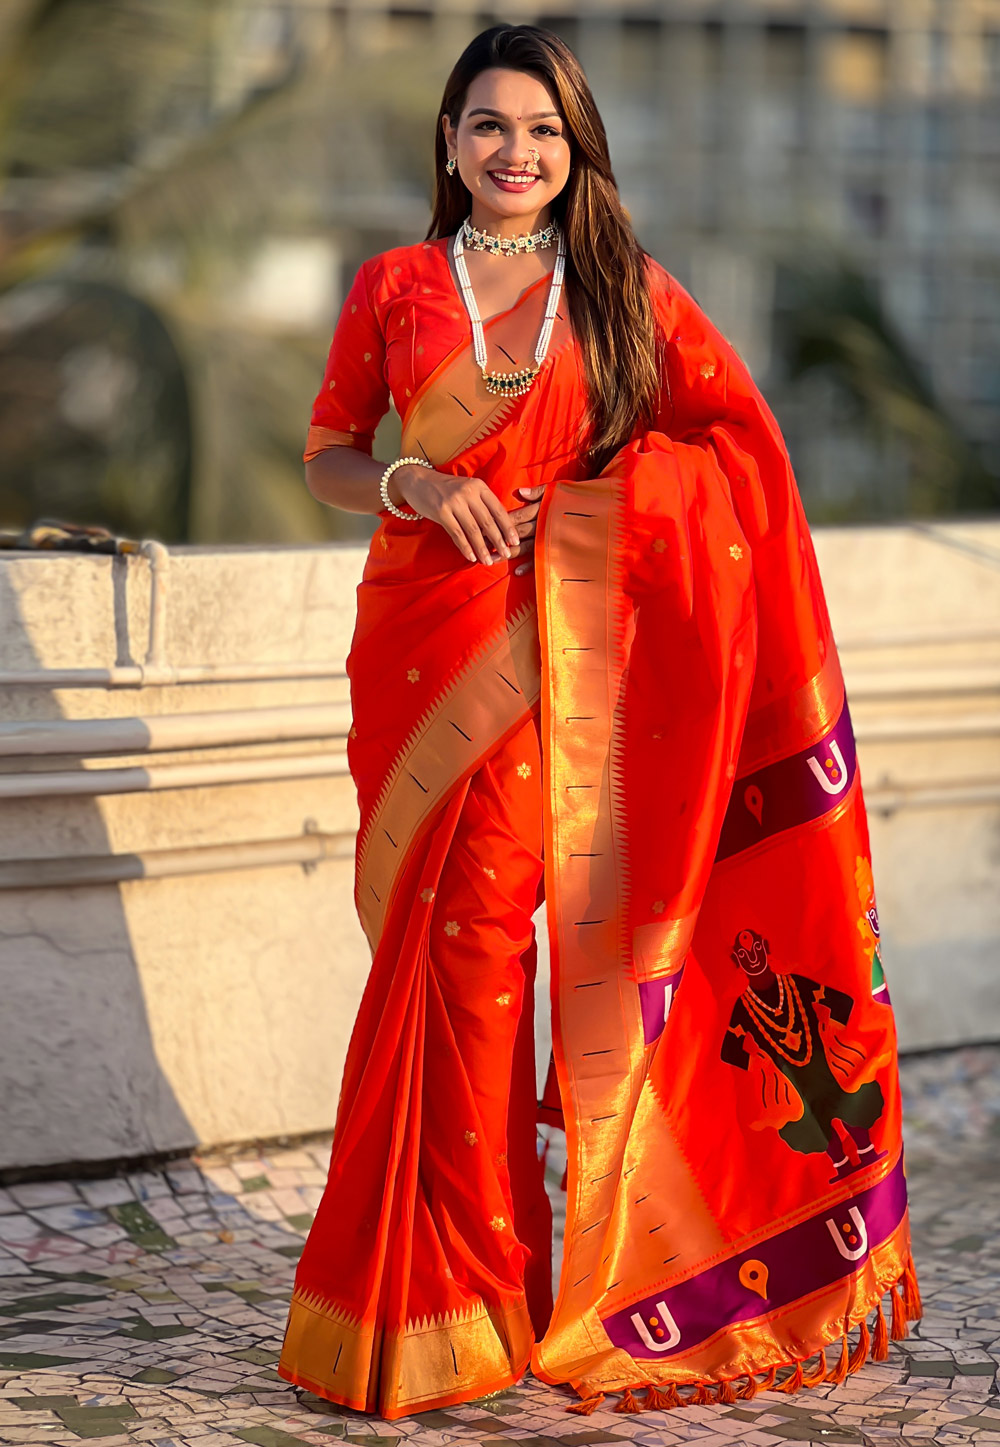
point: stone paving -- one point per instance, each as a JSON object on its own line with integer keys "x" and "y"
{"x": 150, "y": 1307}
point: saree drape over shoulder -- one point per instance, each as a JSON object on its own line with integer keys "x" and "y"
{"x": 652, "y": 731}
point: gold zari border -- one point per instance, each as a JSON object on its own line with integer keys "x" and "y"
{"x": 449, "y": 1359}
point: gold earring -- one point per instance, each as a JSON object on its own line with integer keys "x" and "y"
{"x": 450, "y": 166}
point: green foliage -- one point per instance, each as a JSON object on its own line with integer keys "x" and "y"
{"x": 147, "y": 147}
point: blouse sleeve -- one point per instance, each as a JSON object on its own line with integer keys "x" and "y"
{"x": 354, "y": 395}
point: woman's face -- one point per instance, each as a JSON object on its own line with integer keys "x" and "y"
{"x": 508, "y": 116}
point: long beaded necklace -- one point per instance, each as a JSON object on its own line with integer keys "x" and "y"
{"x": 773, "y": 1029}
{"x": 509, "y": 384}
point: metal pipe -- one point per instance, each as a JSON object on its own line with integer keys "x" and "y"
{"x": 140, "y": 675}
{"x": 67, "y": 871}
{"x": 159, "y": 564}
{"x": 142, "y": 779}
{"x": 157, "y": 732}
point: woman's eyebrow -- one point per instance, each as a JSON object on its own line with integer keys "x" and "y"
{"x": 539, "y": 116}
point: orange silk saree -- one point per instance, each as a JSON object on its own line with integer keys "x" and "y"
{"x": 651, "y": 729}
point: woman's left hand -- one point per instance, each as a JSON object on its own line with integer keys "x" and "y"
{"x": 524, "y": 519}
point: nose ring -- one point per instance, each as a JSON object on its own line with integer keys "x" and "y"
{"x": 533, "y": 154}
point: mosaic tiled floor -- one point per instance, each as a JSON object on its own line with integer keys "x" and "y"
{"x": 150, "y": 1307}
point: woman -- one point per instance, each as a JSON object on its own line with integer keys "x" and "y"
{"x": 592, "y": 657}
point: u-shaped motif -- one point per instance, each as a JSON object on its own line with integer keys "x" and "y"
{"x": 850, "y": 1253}
{"x": 672, "y": 1337}
{"x": 831, "y": 786}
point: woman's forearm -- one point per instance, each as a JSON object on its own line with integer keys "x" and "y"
{"x": 348, "y": 478}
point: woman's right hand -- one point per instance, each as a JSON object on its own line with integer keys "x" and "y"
{"x": 470, "y": 512}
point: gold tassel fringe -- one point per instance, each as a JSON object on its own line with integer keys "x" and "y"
{"x": 871, "y": 1344}
{"x": 818, "y": 1373}
{"x": 911, "y": 1292}
{"x": 859, "y": 1355}
{"x": 588, "y": 1405}
{"x": 628, "y": 1403}
{"x": 793, "y": 1382}
{"x": 662, "y": 1398}
{"x": 839, "y": 1373}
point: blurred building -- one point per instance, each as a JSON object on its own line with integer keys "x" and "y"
{"x": 180, "y": 251}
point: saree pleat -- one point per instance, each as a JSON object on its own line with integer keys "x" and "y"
{"x": 435, "y": 1199}
{"x": 652, "y": 734}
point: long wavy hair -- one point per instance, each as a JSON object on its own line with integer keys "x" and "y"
{"x": 606, "y": 286}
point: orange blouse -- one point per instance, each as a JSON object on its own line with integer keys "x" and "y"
{"x": 400, "y": 319}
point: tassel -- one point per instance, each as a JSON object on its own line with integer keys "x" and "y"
{"x": 726, "y": 1394}
{"x": 748, "y": 1390}
{"x": 899, "y": 1328}
{"x": 839, "y": 1373}
{"x": 818, "y": 1373}
{"x": 588, "y": 1405}
{"x": 658, "y": 1399}
{"x": 768, "y": 1382}
{"x": 859, "y": 1355}
{"x": 702, "y": 1397}
{"x": 628, "y": 1403}
{"x": 880, "y": 1336}
{"x": 792, "y": 1383}
{"x": 911, "y": 1292}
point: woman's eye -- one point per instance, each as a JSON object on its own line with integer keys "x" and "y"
{"x": 539, "y": 130}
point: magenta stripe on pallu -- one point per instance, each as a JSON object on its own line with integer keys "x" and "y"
{"x": 791, "y": 792}
{"x": 770, "y": 1275}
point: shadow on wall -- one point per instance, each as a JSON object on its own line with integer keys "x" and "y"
{"x": 79, "y": 1074}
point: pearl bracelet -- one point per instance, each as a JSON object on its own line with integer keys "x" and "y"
{"x": 410, "y": 517}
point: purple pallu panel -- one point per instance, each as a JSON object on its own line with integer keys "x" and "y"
{"x": 656, "y": 998}
{"x": 791, "y": 792}
{"x": 769, "y": 1275}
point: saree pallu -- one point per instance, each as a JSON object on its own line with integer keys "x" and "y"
{"x": 654, "y": 729}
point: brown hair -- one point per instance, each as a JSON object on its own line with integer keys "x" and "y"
{"x": 606, "y": 283}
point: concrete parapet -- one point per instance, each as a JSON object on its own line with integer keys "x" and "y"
{"x": 179, "y": 954}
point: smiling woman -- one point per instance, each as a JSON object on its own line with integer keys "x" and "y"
{"x": 622, "y": 695}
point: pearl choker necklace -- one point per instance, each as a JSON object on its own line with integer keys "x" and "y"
{"x": 509, "y": 245}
